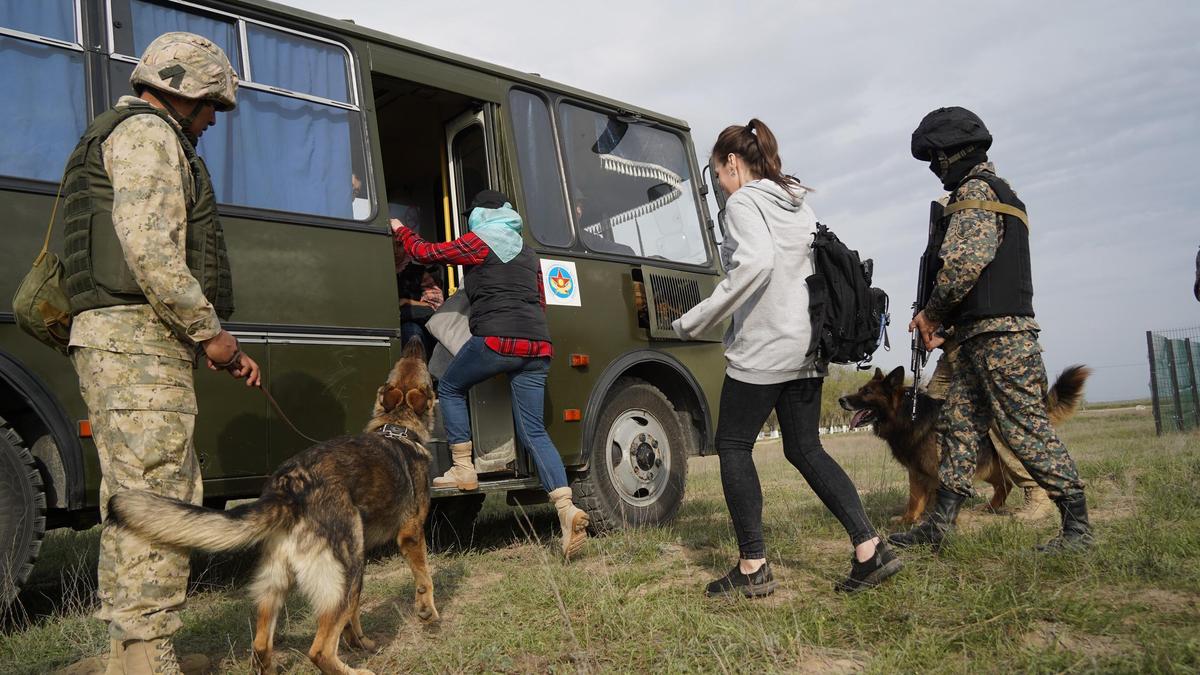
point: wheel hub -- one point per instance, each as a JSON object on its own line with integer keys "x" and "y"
{"x": 639, "y": 463}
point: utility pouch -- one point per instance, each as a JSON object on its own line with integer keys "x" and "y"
{"x": 40, "y": 304}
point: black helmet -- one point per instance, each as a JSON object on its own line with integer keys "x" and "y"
{"x": 947, "y": 129}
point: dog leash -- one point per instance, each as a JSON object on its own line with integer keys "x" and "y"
{"x": 233, "y": 363}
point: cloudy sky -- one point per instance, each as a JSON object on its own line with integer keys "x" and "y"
{"x": 1095, "y": 107}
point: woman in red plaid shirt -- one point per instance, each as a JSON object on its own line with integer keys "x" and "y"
{"x": 503, "y": 281}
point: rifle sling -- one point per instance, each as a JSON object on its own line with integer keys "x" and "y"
{"x": 987, "y": 205}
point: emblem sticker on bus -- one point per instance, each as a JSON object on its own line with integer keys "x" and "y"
{"x": 561, "y": 283}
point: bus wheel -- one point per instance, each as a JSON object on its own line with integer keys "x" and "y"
{"x": 637, "y": 464}
{"x": 22, "y": 513}
{"x": 451, "y": 522}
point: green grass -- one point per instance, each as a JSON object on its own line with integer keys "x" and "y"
{"x": 634, "y": 601}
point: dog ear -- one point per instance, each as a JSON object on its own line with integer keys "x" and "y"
{"x": 878, "y": 373}
{"x": 414, "y": 348}
{"x": 417, "y": 400}
{"x": 391, "y": 398}
{"x": 895, "y": 379}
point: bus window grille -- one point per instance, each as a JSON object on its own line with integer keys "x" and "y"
{"x": 672, "y": 298}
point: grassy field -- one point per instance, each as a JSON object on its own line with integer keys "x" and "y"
{"x": 634, "y": 602}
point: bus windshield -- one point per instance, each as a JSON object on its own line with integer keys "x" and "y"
{"x": 630, "y": 187}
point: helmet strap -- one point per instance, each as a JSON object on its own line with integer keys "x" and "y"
{"x": 185, "y": 121}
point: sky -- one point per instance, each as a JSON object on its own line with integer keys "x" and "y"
{"x": 1094, "y": 106}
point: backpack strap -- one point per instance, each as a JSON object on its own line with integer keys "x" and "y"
{"x": 987, "y": 205}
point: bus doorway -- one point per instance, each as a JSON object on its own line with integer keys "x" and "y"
{"x": 438, "y": 153}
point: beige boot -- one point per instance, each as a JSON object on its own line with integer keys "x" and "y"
{"x": 572, "y": 520}
{"x": 462, "y": 474}
{"x": 157, "y": 657}
{"x": 1037, "y": 504}
{"x": 114, "y": 658}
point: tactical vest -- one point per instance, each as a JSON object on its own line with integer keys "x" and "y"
{"x": 94, "y": 268}
{"x": 505, "y": 298}
{"x": 1005, "y": 288}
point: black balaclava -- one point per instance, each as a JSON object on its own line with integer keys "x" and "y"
{"x": 953, "y": 169}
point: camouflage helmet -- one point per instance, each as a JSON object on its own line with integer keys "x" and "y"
{"x": 189, "y": 66}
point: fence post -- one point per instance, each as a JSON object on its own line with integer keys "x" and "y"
{"x": 1175, "y": 385}
{"x": 1191, "y": 363}
{"x": 1154, "y": 384}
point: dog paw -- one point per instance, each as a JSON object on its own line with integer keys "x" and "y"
{"x": 428, "y": 614}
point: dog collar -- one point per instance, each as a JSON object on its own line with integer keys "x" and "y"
{"x": 394, "y": 432}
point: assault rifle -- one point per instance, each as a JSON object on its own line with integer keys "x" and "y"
{"x": 925, "y": 281}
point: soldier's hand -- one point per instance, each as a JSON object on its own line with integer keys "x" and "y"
{"x": 220, "y": 349}
{"x": 247, "y": 368}
{"x": 928, "y": 331}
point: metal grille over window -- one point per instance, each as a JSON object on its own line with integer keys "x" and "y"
{"x": 41, "y": 59}
{"x": 630, "y": 187}
{"x": 295, "y": 142}
{"x": 670, "y": 294}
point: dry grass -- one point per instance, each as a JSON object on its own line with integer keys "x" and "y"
{"x": 634, "y": 602}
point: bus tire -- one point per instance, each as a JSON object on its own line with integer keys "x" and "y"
{"x": 451, "y": 522}
{"x": 637, "y": 465}
{"x": 22, "y": 513}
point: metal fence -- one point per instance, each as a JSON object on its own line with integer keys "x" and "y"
{"x": 1175, "y": 378}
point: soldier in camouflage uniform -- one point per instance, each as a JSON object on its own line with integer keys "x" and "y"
{"x": 983, "y": 290}
{"x": 148, "y": 279}
{"x": 1037, "y": 502}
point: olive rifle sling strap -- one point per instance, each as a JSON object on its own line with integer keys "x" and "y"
{"x": 987, "y": 205}
{"x": 50, "y": 226}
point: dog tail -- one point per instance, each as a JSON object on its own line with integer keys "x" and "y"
{"x": 1067, "y": 392}
{"x": 170, "y": 521}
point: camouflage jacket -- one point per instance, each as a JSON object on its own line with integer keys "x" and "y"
{"x": 152, "y": 187}
{"x": 972, "y": 239}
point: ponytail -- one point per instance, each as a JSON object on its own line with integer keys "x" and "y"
{"x": 756, "y": 146}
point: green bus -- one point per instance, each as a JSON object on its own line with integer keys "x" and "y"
{"x": 338, "y": 128}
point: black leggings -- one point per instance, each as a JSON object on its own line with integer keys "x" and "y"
{"x": 797, "y": 404}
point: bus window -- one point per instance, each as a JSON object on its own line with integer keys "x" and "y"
{"x": 470, "y": 167}
{"x": 295, "y": 142}
{"x": 545, "y": 208}
{"x": 630, "y": 187}
{"x": 40, "y": 60}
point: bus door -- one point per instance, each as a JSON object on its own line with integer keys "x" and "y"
{"x": 472, "y": 168}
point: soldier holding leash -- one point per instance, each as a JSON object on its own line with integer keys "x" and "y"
{"x": 983, "y": 289}
{"x": 149, "y": 282}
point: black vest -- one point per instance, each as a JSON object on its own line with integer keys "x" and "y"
{"x": 505, "y": 298}
{"x": 1005, "y": 288}
{"x": 95, "y": 272}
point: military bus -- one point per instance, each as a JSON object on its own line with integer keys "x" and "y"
{"x": 339, "y": 127}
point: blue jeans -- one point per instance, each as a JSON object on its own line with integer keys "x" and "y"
{"x": 476, "y": 362}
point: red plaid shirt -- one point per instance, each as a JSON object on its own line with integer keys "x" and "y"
{"x": 469, "y": 249}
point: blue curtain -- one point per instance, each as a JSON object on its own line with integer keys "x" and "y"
{"x": 43, "y": 108}
{"x": 282, "y": 153}
{"x": 297, "y": 64}
{"x": 150, "y": 21}
{"x": 48, "y": 18}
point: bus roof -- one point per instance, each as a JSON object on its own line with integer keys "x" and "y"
{"x": 345, "y": 27}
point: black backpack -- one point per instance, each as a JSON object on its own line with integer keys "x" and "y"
{"x": 849, "y": 317}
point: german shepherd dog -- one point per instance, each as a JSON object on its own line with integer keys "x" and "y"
{"x": 318, "y": 514}
{"x": 886, "y": 402}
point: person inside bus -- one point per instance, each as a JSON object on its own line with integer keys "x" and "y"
{"x": 509, "y": 334}
{"x": 767, "y": 256}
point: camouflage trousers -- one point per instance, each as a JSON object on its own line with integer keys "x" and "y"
{"x": 1000, "y": 377}
{"x": 939, "y": 387}
{"x": 142, "y": 410}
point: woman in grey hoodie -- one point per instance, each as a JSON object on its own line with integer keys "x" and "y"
{"x": 767, "y": 256}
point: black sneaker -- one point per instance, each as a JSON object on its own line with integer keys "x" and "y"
{"x": 759, "y": 584}
{"x": 869, "y": 574}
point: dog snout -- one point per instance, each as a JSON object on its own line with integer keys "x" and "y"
{"x": 847, "y": 404}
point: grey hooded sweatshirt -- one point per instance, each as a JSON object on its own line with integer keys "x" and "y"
{"x": 767, "y": 256}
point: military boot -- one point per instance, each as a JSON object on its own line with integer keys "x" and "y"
{"x": 935, "y": 527}
{"x": 114, "y": 658}
{"x": 462, "y": 474}
{"x": 1076, "y": 534}
{"x": 1037, "y": 504}
{"x": 571, "y": 519}
{"x": 149, "y": 657}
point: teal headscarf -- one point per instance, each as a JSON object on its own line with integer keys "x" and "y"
{"x": 499, "y": 228}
